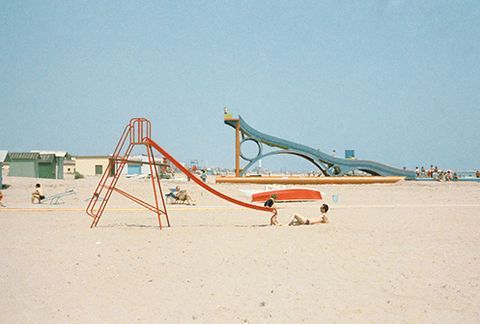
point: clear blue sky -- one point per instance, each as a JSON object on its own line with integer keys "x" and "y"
{"x": 398, "y": 81}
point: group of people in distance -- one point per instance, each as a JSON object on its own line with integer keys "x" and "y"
{"x": 298, "y": 219}
{"x": 440, "y": 175}
{"x": 435, "y": 173}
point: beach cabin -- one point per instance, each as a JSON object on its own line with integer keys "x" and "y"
{"x": 3, "y": 157}
{"x": 34, "y": 165}
{"x": 136, "y": 165}
{"x": 60, "y": 158}
{"x": 69, "y": 166}
{"x": 93, "y": 165}
{"x": 139, "y": 165}
{"x": 134, "y": 168}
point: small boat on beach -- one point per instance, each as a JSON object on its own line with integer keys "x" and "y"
{"x": 295, "y": 194}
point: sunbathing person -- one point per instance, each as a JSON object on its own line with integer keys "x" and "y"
{"x": 183, "y": 196}
{"x": 298, "y": 219}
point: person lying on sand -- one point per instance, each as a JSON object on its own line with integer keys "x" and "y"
{"x": 298, "y": 219}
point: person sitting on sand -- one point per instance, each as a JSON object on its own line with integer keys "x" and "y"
{"x": 1, "y": 198}
{"x": 37, "y": 194}
{"x": 298, "y": 219}
{"x": 183, "y": 196}
{"x": 171, "y": 195}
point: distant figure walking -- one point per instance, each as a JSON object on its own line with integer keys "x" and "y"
{"x": 37, "y": 195}
{"x": 203, "y": 176}
{"x": 298, "y": 219}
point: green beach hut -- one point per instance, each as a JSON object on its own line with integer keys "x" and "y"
{"x": 59, "y": 160}
{"x": 46, "y": 165}
{"x": 26, "y": 164}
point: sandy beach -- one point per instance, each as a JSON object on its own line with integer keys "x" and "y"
{"x": 392, "y": 253}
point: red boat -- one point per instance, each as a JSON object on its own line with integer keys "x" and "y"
{"x": 288, "y": 195}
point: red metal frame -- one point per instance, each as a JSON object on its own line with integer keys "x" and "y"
{"x": 135, "y": 133}
{"x": 138, "y": 132}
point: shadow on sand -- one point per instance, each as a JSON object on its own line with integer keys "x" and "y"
{"x": 179, "y": 226}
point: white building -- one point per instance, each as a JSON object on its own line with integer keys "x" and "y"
{"x": 92, "y": 165}
{"x": 136, "y": 165}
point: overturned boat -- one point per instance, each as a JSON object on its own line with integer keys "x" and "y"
{"x": 294, "y": 194}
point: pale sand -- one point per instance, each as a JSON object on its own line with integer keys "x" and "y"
{"x": 407, "y": 252}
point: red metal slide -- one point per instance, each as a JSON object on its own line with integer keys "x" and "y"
{"x": 150, "y": 142}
